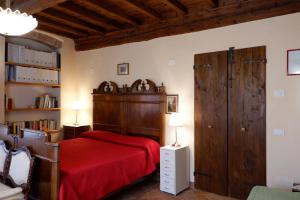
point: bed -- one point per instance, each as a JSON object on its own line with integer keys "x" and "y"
{"x": 101, "y": 162}
{"x": 128, "y": 126}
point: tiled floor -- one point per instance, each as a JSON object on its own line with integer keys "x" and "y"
{"x": 150, "y": 191}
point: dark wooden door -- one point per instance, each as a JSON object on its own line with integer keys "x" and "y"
{"x": 246, "y": 121}
{"x": 211, "y": 122}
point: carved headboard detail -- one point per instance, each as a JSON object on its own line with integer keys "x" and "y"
{"x": 136, "y": 110}
{"x": 107, "y": 87}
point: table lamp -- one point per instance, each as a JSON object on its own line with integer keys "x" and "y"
{"x": 76, "y": 106}
{"x": 175, "y": 121}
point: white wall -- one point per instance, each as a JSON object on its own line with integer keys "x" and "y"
{"x": 150, "y": 60}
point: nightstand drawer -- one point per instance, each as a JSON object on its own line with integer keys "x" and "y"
{"x": 167, "y": 188}
{"x": 167, "y": 153}
{"x": 167, "y": 167}
{"x": 167, "y": 162}
{"x": 167, "y": 181}
{"x": 167, "y": 174}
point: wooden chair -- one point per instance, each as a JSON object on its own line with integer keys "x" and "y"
{"x": 7, "y": 192}
{"x": 18, "y": 171}
{"x": 3, "y": 159}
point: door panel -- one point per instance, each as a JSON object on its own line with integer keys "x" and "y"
{"x": 246, "y": 122}
{"x": 211, "y": 122}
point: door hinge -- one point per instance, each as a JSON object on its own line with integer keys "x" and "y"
{"x": 230, "y": 62}
{"x": 207, "y": 65}
{"x": 255, "y": 61}
{"x": 231, "y": 55}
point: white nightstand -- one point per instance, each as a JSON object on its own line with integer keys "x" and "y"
{"x": 174, "y": 169}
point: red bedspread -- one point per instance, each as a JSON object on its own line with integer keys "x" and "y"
{"x": 100, "y": 162}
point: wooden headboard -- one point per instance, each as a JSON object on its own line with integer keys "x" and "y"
{"x": 136, "y": 110}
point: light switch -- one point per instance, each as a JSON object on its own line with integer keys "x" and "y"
{"x": 172, "y": 62}
{"x": 279, "y": 93}
{"x": 278, "y": 132}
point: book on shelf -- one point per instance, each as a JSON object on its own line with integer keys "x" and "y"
{"x": 31, "y": 75}
{"x": 8, "y": 102}
{"x": 41, "y": 125}
{"x": 46, "y": 101}
{"x": 21, "y": 54}
{"x": 5, "y": 102}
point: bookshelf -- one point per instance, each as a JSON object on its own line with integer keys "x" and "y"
{"x": 32, "y": 69}
{"x": 31, "y": 109}
{"x": 32, "y": 66}
{"x": 32, "y": 84}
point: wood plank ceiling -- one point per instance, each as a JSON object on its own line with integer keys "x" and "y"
{"x": 101, "y": 23}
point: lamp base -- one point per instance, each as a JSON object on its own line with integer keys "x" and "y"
{"x": 176, "y": 144}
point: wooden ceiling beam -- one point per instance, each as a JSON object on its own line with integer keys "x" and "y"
{"x": 88, "y": 16}
{"x": 34, "y": 6}
{"x": 109, "y": 12}
{"x": 212, "y": 3}
{"x": 177, "y": 6}
{"x": 70, "y": 21}
{"x": 141, "y": 7}
{"x": 46, "y": 28}
{"x": 60, "y": 26}
{"x": 222, "y": 16}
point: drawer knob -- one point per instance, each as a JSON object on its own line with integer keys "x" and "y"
{"x": 210, "y": 126}
{"x": 243, "y": 129}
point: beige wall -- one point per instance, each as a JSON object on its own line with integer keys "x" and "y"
{"x": 68, "y": 81}
{"x": 151, "y": 60}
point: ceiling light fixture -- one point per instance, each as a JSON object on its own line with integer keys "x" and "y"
{"x": 15, "y": 23}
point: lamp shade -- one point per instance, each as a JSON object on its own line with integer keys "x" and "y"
{"x": 15, "y": 23}
{"x": 175, "y": 120}
{"x": 76, "y": 105}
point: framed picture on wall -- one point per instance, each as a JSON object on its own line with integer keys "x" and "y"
{"x": 293, "y": 62}
{"x": 172, "y": 103}
{"x": 123, "y": 69}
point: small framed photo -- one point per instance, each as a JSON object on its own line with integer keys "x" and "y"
{"x": 293, "y": 62}
{"x": 172, "y": 103}
{"x": 123, "y": 69}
